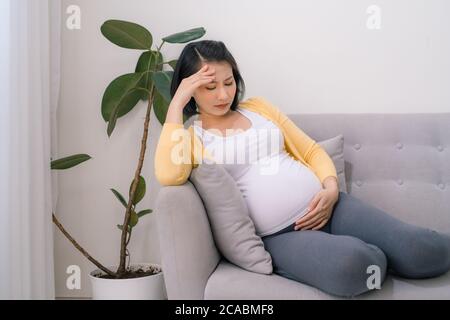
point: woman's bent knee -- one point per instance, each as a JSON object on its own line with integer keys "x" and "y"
{"x": 361, "y": 270}
{"x": 427, "y": 255}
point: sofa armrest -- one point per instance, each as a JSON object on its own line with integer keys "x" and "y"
{"x": 188, "y": 252}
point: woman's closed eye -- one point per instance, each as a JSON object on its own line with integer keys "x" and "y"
{"x": 227, "y": 84}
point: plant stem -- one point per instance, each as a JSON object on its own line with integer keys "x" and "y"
{"x": 159, "y": 48}
{"x": 129, "y": 236}
{"x": 123, "y": 243}
{"x": 84, "y": 252}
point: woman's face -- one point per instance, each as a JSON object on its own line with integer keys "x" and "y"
{"x": 219, "y": 91}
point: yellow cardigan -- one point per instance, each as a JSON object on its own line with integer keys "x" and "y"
{"x": 175, "y": 140}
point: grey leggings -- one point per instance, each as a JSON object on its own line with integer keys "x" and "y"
{"x": 336, "y": 258}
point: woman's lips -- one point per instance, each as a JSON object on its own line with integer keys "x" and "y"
{"x": 221, "y": 105}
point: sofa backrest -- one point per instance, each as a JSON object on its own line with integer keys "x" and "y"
{"x": 399, "y": 163}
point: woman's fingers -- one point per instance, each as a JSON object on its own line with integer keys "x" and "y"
{"x": 311, "y": 222}
{"x": 315, "y": 200}
{"x": 207, "y": 80}
{"x": 310, "y": 226}
{"x": 206, "y": 70}
{"x": 324, "y": 222}
{"x": 201, "y": 73}
{"x": 311, "y": 214}
{"x": 208, "y": 73}
{"x": 324, "y": 217}
{"x": 202, "y": 77}
{"x": 317, "y": 216}
{"x": 203, "y": 80}
{"x": 307, "y": 217}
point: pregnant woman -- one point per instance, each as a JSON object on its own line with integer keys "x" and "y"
{"x": 315, "y": 234}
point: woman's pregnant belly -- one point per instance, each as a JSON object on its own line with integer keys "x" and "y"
{"x": 277, "y": 190}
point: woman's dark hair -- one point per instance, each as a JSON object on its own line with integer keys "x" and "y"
{"x": 190, "y": 62}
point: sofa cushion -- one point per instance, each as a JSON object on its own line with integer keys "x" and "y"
{"x": 233, "y": 230}
{"x": 335, "y": 149}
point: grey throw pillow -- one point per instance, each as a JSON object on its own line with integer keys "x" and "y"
{"x": 335, "y": 149}
{"x": 233, "y": 230}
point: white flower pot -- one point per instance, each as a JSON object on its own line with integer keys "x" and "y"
{"x": 144, "y": 288}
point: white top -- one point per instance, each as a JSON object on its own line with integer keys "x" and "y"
{"x": 277, "y": 188}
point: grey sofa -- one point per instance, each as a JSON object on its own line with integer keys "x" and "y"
{"x": 397, "y": 162}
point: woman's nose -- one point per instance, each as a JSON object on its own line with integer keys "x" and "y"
{"x": 223, "y": 94}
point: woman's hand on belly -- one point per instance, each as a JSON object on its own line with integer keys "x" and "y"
{"x": 319, "y": 211}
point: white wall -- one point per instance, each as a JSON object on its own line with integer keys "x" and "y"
{"x": 304, "y": 56}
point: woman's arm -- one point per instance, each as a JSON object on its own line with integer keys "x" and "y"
{"x": 331, "y": 183}
{"x": 173, "y": 163}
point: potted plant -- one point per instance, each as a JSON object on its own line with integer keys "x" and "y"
{"x": 149, "y": 82}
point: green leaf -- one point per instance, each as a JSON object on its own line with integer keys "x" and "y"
{"x": 112, "y": 120}
{"x": 127, "y": 34}
{"x": 114, "y": 115}
{"x": 134, "y": 219}
{"x": 148, "y": 62}
{"x": 69, "y": 162}
{"x": 162, "y": 80}
{"x": 120, "y": 93}
{"x": 144, "y": 90}
{"x": 160, "y": 106}
{"x": 159, "y": 60}
{"x": 121, "y": 227}
{"x": 144, "y": 212}
{"x": 185, "y": 36}
{"x": 140, "y": 190}
{"x": 172, "y": 63}
{"x": 120, "y": 197}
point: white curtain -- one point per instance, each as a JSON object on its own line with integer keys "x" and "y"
{"x": 29, "y": 90}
